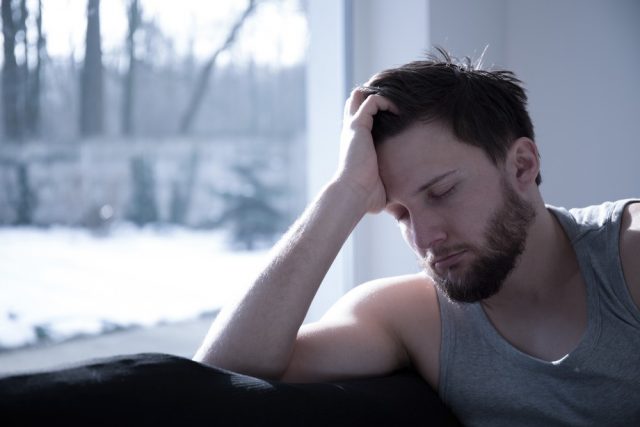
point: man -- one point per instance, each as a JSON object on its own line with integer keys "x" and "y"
{"x": 525, "y": 313}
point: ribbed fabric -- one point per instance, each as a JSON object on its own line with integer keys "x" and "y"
{"x": 488, "y": 382}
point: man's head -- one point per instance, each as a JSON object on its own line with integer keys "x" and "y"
{"x": 483, "y": 108}
{"x": 460, "y": 170}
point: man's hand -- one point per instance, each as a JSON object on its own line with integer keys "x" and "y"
{"x": 358, "y": 166}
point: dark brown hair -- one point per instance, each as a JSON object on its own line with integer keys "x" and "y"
{"x": 483, "y": 108}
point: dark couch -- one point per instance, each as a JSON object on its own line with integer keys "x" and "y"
{"x": 160, "y": 389}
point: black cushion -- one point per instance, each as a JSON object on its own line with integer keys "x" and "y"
{"x": 161, "y": 389}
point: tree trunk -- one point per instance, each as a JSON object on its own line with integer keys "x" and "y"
{"x": 91, "y": 90}
{"x": 33, "y": 81}
{"x": 128, "y": 96}
{"x": 10, "y": 76}
{"x": 23, "y": 69}
{"x": 33, "y": 109}
{"x": 203, "y": 80}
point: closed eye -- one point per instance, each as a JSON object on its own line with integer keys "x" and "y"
{"x": 443, "y": 194}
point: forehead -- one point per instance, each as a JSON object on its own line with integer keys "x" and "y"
{"x": 423, "y": 152}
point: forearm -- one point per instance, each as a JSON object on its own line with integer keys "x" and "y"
{"x": 257, "y": 333}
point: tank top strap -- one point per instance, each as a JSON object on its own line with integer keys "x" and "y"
{"x": 594, "y": 232}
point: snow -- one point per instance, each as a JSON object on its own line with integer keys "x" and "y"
{"x": 58, "y": 283}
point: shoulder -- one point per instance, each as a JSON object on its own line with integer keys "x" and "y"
{"x": 391, "y": 297}
{"x": 407, "y": 306}
{"x": 630, "y": 249}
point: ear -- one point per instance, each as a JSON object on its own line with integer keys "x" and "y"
{"x": 523, "y": 163}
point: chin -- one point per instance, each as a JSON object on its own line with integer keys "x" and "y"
{"x": 464, "y": 290}
{"x": 455, "y": 273}
{"x": 459, "y": 286}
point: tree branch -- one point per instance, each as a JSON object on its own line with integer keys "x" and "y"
{"x": 203, "y": 79}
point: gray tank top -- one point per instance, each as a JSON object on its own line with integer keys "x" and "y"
{"x": 488, "y": 382}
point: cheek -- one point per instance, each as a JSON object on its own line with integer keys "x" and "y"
{"x": 467, "y": 226}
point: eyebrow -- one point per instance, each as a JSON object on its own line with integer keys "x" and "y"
{"x": 434, "y": 181}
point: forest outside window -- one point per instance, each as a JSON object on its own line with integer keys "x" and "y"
{"x": 150, "y": 153}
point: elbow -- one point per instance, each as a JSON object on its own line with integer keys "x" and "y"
{"x": 262, "y": 370}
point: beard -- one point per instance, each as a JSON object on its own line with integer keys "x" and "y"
{"x": 505, "y": 238}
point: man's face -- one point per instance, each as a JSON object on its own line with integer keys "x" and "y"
{"x": 455, "y": 208}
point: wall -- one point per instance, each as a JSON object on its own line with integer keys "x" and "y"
{"x": 580, "y": 62}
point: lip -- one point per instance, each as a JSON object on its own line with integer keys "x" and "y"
{"x": 448, "y": 261}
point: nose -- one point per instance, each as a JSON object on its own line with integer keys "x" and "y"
{"x": 427, "y": 232}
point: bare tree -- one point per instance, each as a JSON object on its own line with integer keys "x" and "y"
{"x": 34, "y": 86}
{"x": 21, "y": 79}
{"x": 203, "y": 80}
{"x": 20, "y": 21}
{"x": 10, "y": 76}
{"x": 91, "y": 89}
{"x": 128, "y": 96}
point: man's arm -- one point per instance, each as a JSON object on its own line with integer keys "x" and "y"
{"x": 630, "y": 249}
{"x": 374, "y": 329}
{"x": 257, "y": 334}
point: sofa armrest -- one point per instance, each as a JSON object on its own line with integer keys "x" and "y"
{"x": 152, "y": 389}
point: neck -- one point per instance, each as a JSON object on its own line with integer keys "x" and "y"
{"x": 547, "y": 262}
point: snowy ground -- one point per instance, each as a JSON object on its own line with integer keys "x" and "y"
{"x": 59, "y": 283}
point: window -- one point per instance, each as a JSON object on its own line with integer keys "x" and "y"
{"x": 151, "y": 152}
